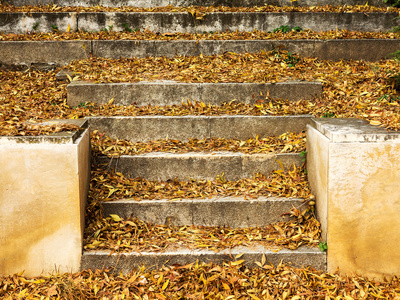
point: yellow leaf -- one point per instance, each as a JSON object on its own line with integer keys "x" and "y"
{"x": 375, "y": 123}
{"x": 68, "y": 28}
{"x": 235, "y": 263}
{"x": 111, "y": 101}
{"x": 160, "y": 279}
{"x": 226, "y": 287}
{"x": 115, "y": 218}
{"x": 165, "y": 285}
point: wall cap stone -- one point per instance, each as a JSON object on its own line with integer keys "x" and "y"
{"x": 352, "y": 130}
{"x": 64, "y": 137}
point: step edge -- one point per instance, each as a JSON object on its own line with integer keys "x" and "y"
{"x": 252, "y": 249}
{"x": 212, "y": 199}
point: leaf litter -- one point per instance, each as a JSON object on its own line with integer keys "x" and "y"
{"x": 132, "y": 235}
{"x": 233, "y": 280}
{"x": 109, "y": 186}
{"x": 143, "y": 34}
{"x": 198, "y": 12}
{"x": 356, "y": 89}
{"x": 35, "y": 95}
{"x": 285, "y": 143}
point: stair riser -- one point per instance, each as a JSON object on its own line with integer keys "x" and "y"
{"x": 181, "y": 128}
{"x": 185, "y": 22}
{"x": 50, "y": 54}
{"x": 199, "y": 166}
{"x": 154, "y": 3}
{"x": 126, "y": 262}
{"x": 173, "y": 93}
{"x": 230, "y": 211}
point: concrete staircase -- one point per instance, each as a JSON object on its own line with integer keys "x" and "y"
{"x": 219, "y": 211}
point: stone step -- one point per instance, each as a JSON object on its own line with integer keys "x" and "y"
{"x": 125, "y": 262}
{"x": 21, "y": 22}
{"x": 51, "y": 54}
{"x": 173, "y": 93}
{"x": 195, "y": 165}
{"x": 177, "y": 3}
{"x": 235, "y": 212}
{"x": 148, "y": 128}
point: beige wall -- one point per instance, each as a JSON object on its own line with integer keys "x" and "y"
{"x": 43, "y": 193}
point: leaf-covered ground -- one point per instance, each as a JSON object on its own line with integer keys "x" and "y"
{"x": 280, "y": 33}
{"x": 199, "y": 11}
{"x": 201, "y": 281}
{"x": 357, "y": 89}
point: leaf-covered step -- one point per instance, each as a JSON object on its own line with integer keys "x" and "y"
{"x": 155, "y": 3}
{"x": 110, "y": 186}
{"x": 235, "y": 212}
{"x": 48, "y": 51}
{"x": 248, "y": 256}
{"x": 173, "y": 93}
{"x": 285, "y": 143}
{"x": 199, "y": 158}
{"x": 198, "y": 165}
{"x": 148, "y": 128}
{"x": 163, "y": 22}
{"x": 138, "y": 242}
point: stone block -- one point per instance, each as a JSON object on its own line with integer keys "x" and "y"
{"x": 354, "y": 171}
{"x": 44, "y": 185}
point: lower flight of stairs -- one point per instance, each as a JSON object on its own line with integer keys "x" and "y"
{"x": 215, "y": 211}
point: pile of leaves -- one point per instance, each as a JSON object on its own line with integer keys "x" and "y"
{"x": 199, "y": 11}
{"x": 109, "y": 186}
{"x": 285, "y": 143}
{"x": 108, "y": 34}
{"x": 133, "y": 235}
{"x": 201, "y": 281}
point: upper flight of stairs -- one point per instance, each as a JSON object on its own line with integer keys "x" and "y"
{"x": 217, "y": 211}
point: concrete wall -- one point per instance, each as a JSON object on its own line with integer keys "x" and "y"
{"x": 43, "y": 193}
{"x": 354, "y": 170}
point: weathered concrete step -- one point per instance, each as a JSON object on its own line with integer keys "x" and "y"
{"x": 177, "y": 3}
{"x": 173, "y": 93}
{"x": 195, "y": 165}
{"x": 185, "y": 22}
{"x": 125, "y": 262}
{"x": 147, "y": 128}
{"x": 235, "y": 212}
{"x": 45, "y": 54}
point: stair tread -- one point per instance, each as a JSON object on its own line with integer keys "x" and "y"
{"x": 216, "y": 36}
{"x": 348, "y": 8}
{"x": 152, "y": 245}
{"x": 235, "y": 212}
{"x": 300, "y": 228}
{"x": 255, "y": 247}
{"x": 125, "y": 262}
